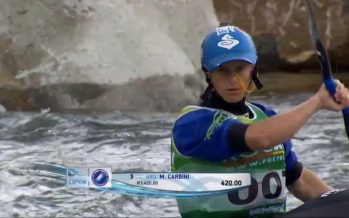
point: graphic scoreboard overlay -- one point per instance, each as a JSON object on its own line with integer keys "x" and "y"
{"x": 156, "y": 184}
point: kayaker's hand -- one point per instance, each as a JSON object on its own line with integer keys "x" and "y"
{"x": 325, "y": 100}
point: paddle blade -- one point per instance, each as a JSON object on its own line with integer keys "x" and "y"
{"x": 346, "y": 119}
{"x": 320, "y": 50}
{"x": 324, "y": 61}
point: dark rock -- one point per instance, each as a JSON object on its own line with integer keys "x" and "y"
{"x": 280, "y": 30}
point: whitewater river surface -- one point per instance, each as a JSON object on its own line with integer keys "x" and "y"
{"x": 127, "y": 142}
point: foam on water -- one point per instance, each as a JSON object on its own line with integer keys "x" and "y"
{"x": 32, "y": 144}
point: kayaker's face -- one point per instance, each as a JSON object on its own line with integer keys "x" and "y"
{"x": 226, "y": 78}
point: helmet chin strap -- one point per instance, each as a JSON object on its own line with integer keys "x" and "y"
{"x": 254, "y": 83}
{"x": 255, "y": 78}
{"x": 248, "y": 89}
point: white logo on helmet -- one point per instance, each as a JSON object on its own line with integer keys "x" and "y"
{"x": 225, "y": 30}
{"x": 228, "y": 42}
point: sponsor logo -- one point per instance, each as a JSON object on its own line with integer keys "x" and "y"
{"x": 279, "y": 208}
{"x": 224, "y": 30}
{"x": 255, "y": 159}
{"x": 77, "y": 177}
{"x": 218, "y": 120}
{"x": 326, "y": 194}
{"x": 228, "y": 42}
{"x": 100, "y": 177}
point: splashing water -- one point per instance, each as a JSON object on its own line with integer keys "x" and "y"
{"x": 32, "y": 144}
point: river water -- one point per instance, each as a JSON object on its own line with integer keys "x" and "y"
{"x": 127, "y": 142}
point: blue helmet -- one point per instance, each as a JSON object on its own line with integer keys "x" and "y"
{"x": 227, "y": 43}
